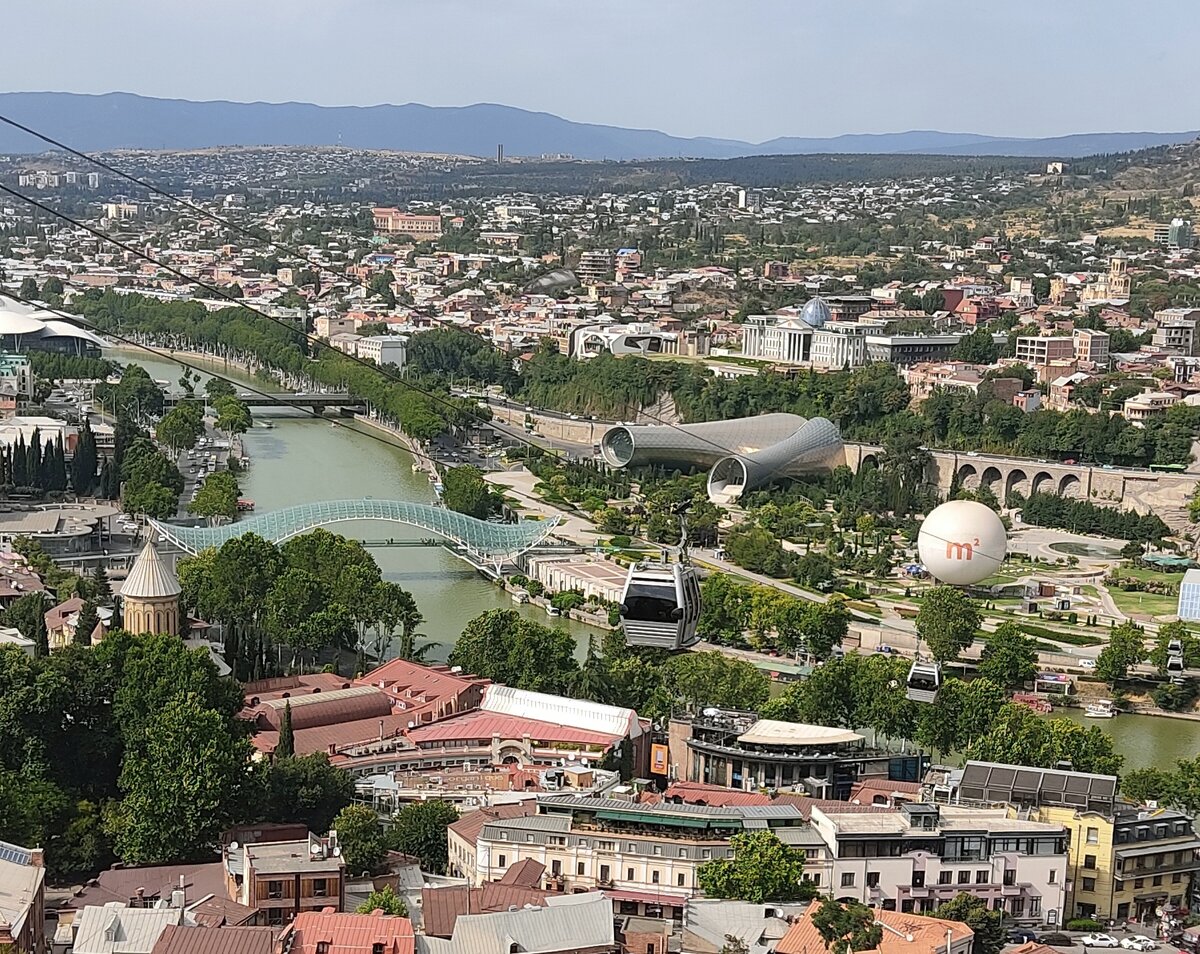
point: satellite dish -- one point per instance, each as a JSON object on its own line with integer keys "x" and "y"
{"x": 712, "y": 711}
{"x": 337, "y": 852}
{"x": 233, "y": 846}
{"x": 315, "y": 849}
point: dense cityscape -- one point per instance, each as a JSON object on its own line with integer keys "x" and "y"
{"x": 435, "y": 552}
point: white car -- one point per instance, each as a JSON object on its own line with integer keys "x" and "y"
{"x": 1088, "y": 664}
{"x": 1098, "y": 940}
{"x": 1138, "y": 942}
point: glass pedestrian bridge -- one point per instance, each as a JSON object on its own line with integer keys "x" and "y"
{"x": 490, "y": 543}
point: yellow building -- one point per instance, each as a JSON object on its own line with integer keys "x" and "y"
{"x": 1128, "y": 864}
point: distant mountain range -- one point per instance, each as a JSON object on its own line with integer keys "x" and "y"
{"x": 125, "y": 120}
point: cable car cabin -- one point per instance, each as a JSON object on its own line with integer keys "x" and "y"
{"x": 1175, "y": 667}
{"x": 924, "y": 680}
{"x": 660, "y": 606}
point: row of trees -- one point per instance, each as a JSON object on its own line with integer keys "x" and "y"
{"x": 1083, "y": 516}
{"x": 131, "y": 749}
{"x": 317, "y": 593}
{"x": 736, "y": 613}
{"x": 505, "y": 646}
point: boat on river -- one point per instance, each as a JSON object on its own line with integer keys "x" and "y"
{"x": 1033, "y": 701}
{"x": 1100, "y": 709}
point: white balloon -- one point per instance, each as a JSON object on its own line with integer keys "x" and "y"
{"x": 962, "y": 542}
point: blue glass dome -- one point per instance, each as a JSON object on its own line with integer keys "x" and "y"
{"x": 815, "y": 312}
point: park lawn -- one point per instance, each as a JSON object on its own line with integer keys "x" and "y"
{"x": 1146, "y": 573}
{"x": 1144, "y": 604}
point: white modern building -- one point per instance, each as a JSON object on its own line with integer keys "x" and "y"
{"x": 383, "y": 349}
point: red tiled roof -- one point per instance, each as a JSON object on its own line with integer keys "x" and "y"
{"x": 928, "y": 935}
{"x": 442, "y": 907}
{"x": 176, "y": 939}
{"x": 470, "y": 825}
{"x": 700, "y": 793}
{"x": 865, "y": 790}
{"x": 349, "y": 933}
{"x": 483, "y": 725}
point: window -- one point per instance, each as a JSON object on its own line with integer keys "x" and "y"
{"x": 377, "y": 947}
{"x": 848, "y": 879}
{"x": 816, "y": 880}
{"x": 1053, "y": 879}
{"x": 1089, "y": 862}
{"x": 1157, "y": 880}
{"x": 579, "y": 868}
{"x": 556, "y": 867}
{"x": 630, "y": 846}
{"x": 1176, "y": 878}
{"x": 1089, "y": 884}
{"x": 682, "y": 852}
{"x": 918, "y": 879}
{"x": 501, "y": 861}
{"x": 964, "y": 877}
{"x": 680, "y": 880}
{"x": 654, "y": 877}
{"x": 1010, "y": 876}
{"x": 274, "y": 889}
{"x": 629, "y": 874}
{"x": 1093, "y": 836}
{"x": 658, "y": 849}
{"x": 981, "y": 877}
{"x": 872, "y": 879}
{"x": 1139, "y": 882}
{"x": 944, "y": 877}
{"x": 322, "y": 947}
{"x": 605, "y": 875}
{"x": 1123, "y": 910}
{"x": 320, "y": 887}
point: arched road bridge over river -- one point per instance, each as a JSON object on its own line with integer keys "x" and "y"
{"x": 484, "y": 543}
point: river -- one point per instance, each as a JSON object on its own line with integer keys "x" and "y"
{"x": 303, "y": 459}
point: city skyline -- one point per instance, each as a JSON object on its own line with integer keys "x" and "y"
{"x": 924, "y": 64}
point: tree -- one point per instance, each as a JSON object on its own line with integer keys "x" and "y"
{"x": 217, "y": 497}
{"x": 83, "y": 464}
{"x": 1126, "y": 647}
{"x": 846, "y": 927}
{"x": 285, "y": 748}
{"x": 1009, "y": 657}
{"x": 28, "y": 614}
{"x": 1187, "y": 639}
{"x": 762, "y": 869}
{"x": 419, "y": 830}
{"x": 465, "y": 491}
{"x": 182, "y": 426}
{"x": 183, "y": 780}
{"x": 1019, "y": 736}
{"x": 233, "y": 417}
{"x": 304, "y": 789}
{"x": 977, "y": 347}
{"x": 360, "y": 838}
{"x": 218, "y": 388}
{"x": 714, "y": 679}
{"x": 29, "y": 289}
{"x": 102, "y": 593}
{"x": 504, "y": 646}
{"x": 386, "y": 900}
{"x": 974, "y": 912}
{"x": 947, "y": 622}
{"x": 85, "y": 624}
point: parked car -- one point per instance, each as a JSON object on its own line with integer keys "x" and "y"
{"x": 1087, "y": 664}
{"x": 1021, "y": 935}
{"x": 1056, "y": 939}
{"x": 1138, "y": 942}
{"x": 1097, "y": 940}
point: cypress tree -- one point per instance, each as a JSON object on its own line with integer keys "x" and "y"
{"x": 20, "y": 463}
{"x": 85, "y": 623}
{"x": 83, "y": 464}
{"x": 102, "y": 593}
{"x": 60, "y": 465}
{"x": 285, "y": 748}
{"x": 33, "y": 460}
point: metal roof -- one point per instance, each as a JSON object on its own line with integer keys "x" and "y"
{"x": 116, "y": 929}
{"x": 996, "y": 782}
{"x": 150, "y": 578}
{"x": 574, "y": 713}
{"x": 226, "y": 940}
{"x": 481, "y": 538}
{"x": 569, "y": 922}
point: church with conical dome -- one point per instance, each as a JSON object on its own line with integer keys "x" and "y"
{"x": 150, "y": 595}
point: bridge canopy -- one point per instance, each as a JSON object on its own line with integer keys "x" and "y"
{"x": 493, "y": 543}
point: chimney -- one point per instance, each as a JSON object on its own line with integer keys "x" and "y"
{"x": 141, "y": 896}
{"x": 6, "y": 935}
{"x": 37, "y": 858}
{"x": 179, "y": 895}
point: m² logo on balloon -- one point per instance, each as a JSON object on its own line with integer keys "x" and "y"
{"x": 961, "y": 551}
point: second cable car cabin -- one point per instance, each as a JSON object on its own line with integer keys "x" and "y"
{"x": 660, "y": 606}
{"x": 924, "y": 680}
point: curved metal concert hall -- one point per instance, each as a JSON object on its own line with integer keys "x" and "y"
{"x": 743, "y": 453}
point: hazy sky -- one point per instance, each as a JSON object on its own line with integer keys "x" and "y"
{"x": 748, "y": 69}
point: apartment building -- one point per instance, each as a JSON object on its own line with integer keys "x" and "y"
{"x": 1037, "y": 350}
{"x": 644, "y": 856}
{"x": 285, "y": 878}
{"x": 594, "y": 267}
{"x": 1091, "y": 346}
{"x": 918, "y": 858}
{"x": 1127, "y": 863}
{"x": 22, "y": 899}
{"x": 1176, "y": 330}
{"x": 1149, "y": 404}
{"x": 738, "y": 750}
{"x": 390, "y": 221}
